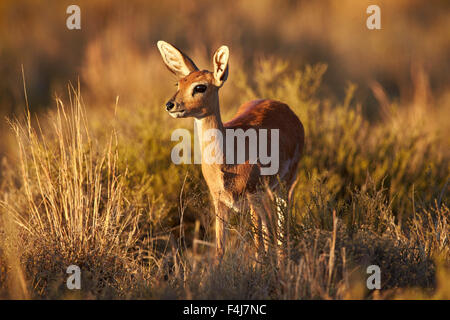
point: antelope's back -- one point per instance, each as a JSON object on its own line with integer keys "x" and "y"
{"x": 272, "y": 114}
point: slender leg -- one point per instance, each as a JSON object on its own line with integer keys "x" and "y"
{"x": 221, "y": 233}
{"x": 259, "y": 222}
{"x": 282, "y": 226}
{"x": 257, "y": 233}
{"x": 289, "y": 208}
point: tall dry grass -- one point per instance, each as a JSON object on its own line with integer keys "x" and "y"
{"x": 109, "y": 200}
{"x": 70, "y": 205}
{"x": 90, "y": 182}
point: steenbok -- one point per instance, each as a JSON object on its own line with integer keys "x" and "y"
{"x": 234, "y": 185}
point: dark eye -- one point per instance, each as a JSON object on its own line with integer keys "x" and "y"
{"x": 199, "y": 88}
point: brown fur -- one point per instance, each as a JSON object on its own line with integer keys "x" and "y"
{"x": 270, "y": 114}
{"x": 229, "y": 183}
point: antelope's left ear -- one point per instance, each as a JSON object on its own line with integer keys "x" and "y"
{"x": 176, "y": 61}
{"x": 220, "y": 61}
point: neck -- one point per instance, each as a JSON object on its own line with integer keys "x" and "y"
{"x": 212, "y": 121}
{"x": 210, "y": 124}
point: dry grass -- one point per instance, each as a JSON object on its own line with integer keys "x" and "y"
{"x": 90, "y": 182}
{"x": 75, "y": 204}
{"x": 70, "y": 204}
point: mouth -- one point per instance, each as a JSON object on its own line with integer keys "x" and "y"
{"x": 177, "y": 113}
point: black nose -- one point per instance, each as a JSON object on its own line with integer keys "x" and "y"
{"x": 169, "y": 105}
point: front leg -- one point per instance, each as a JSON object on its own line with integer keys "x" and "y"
{"x": 221, "y": 211}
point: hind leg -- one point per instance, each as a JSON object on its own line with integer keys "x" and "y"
{"x": 283, "y": 209}
{"x": 265, "y": 222}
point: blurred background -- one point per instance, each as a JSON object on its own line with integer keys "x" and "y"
{"x": 375, "y": 105}
{"x": 399, "y": 74}
{"x": 114, "y": 53}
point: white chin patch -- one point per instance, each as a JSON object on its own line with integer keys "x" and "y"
{"x": 177, "y": 114}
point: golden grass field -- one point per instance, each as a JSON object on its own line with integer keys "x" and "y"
{"x": 86, "y": 176}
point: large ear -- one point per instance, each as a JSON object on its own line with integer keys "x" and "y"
{"x": 175, "y": 60}
{"x": 220, "y": 61}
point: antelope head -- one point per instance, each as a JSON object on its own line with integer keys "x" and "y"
{"x": 198, "y": 90}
